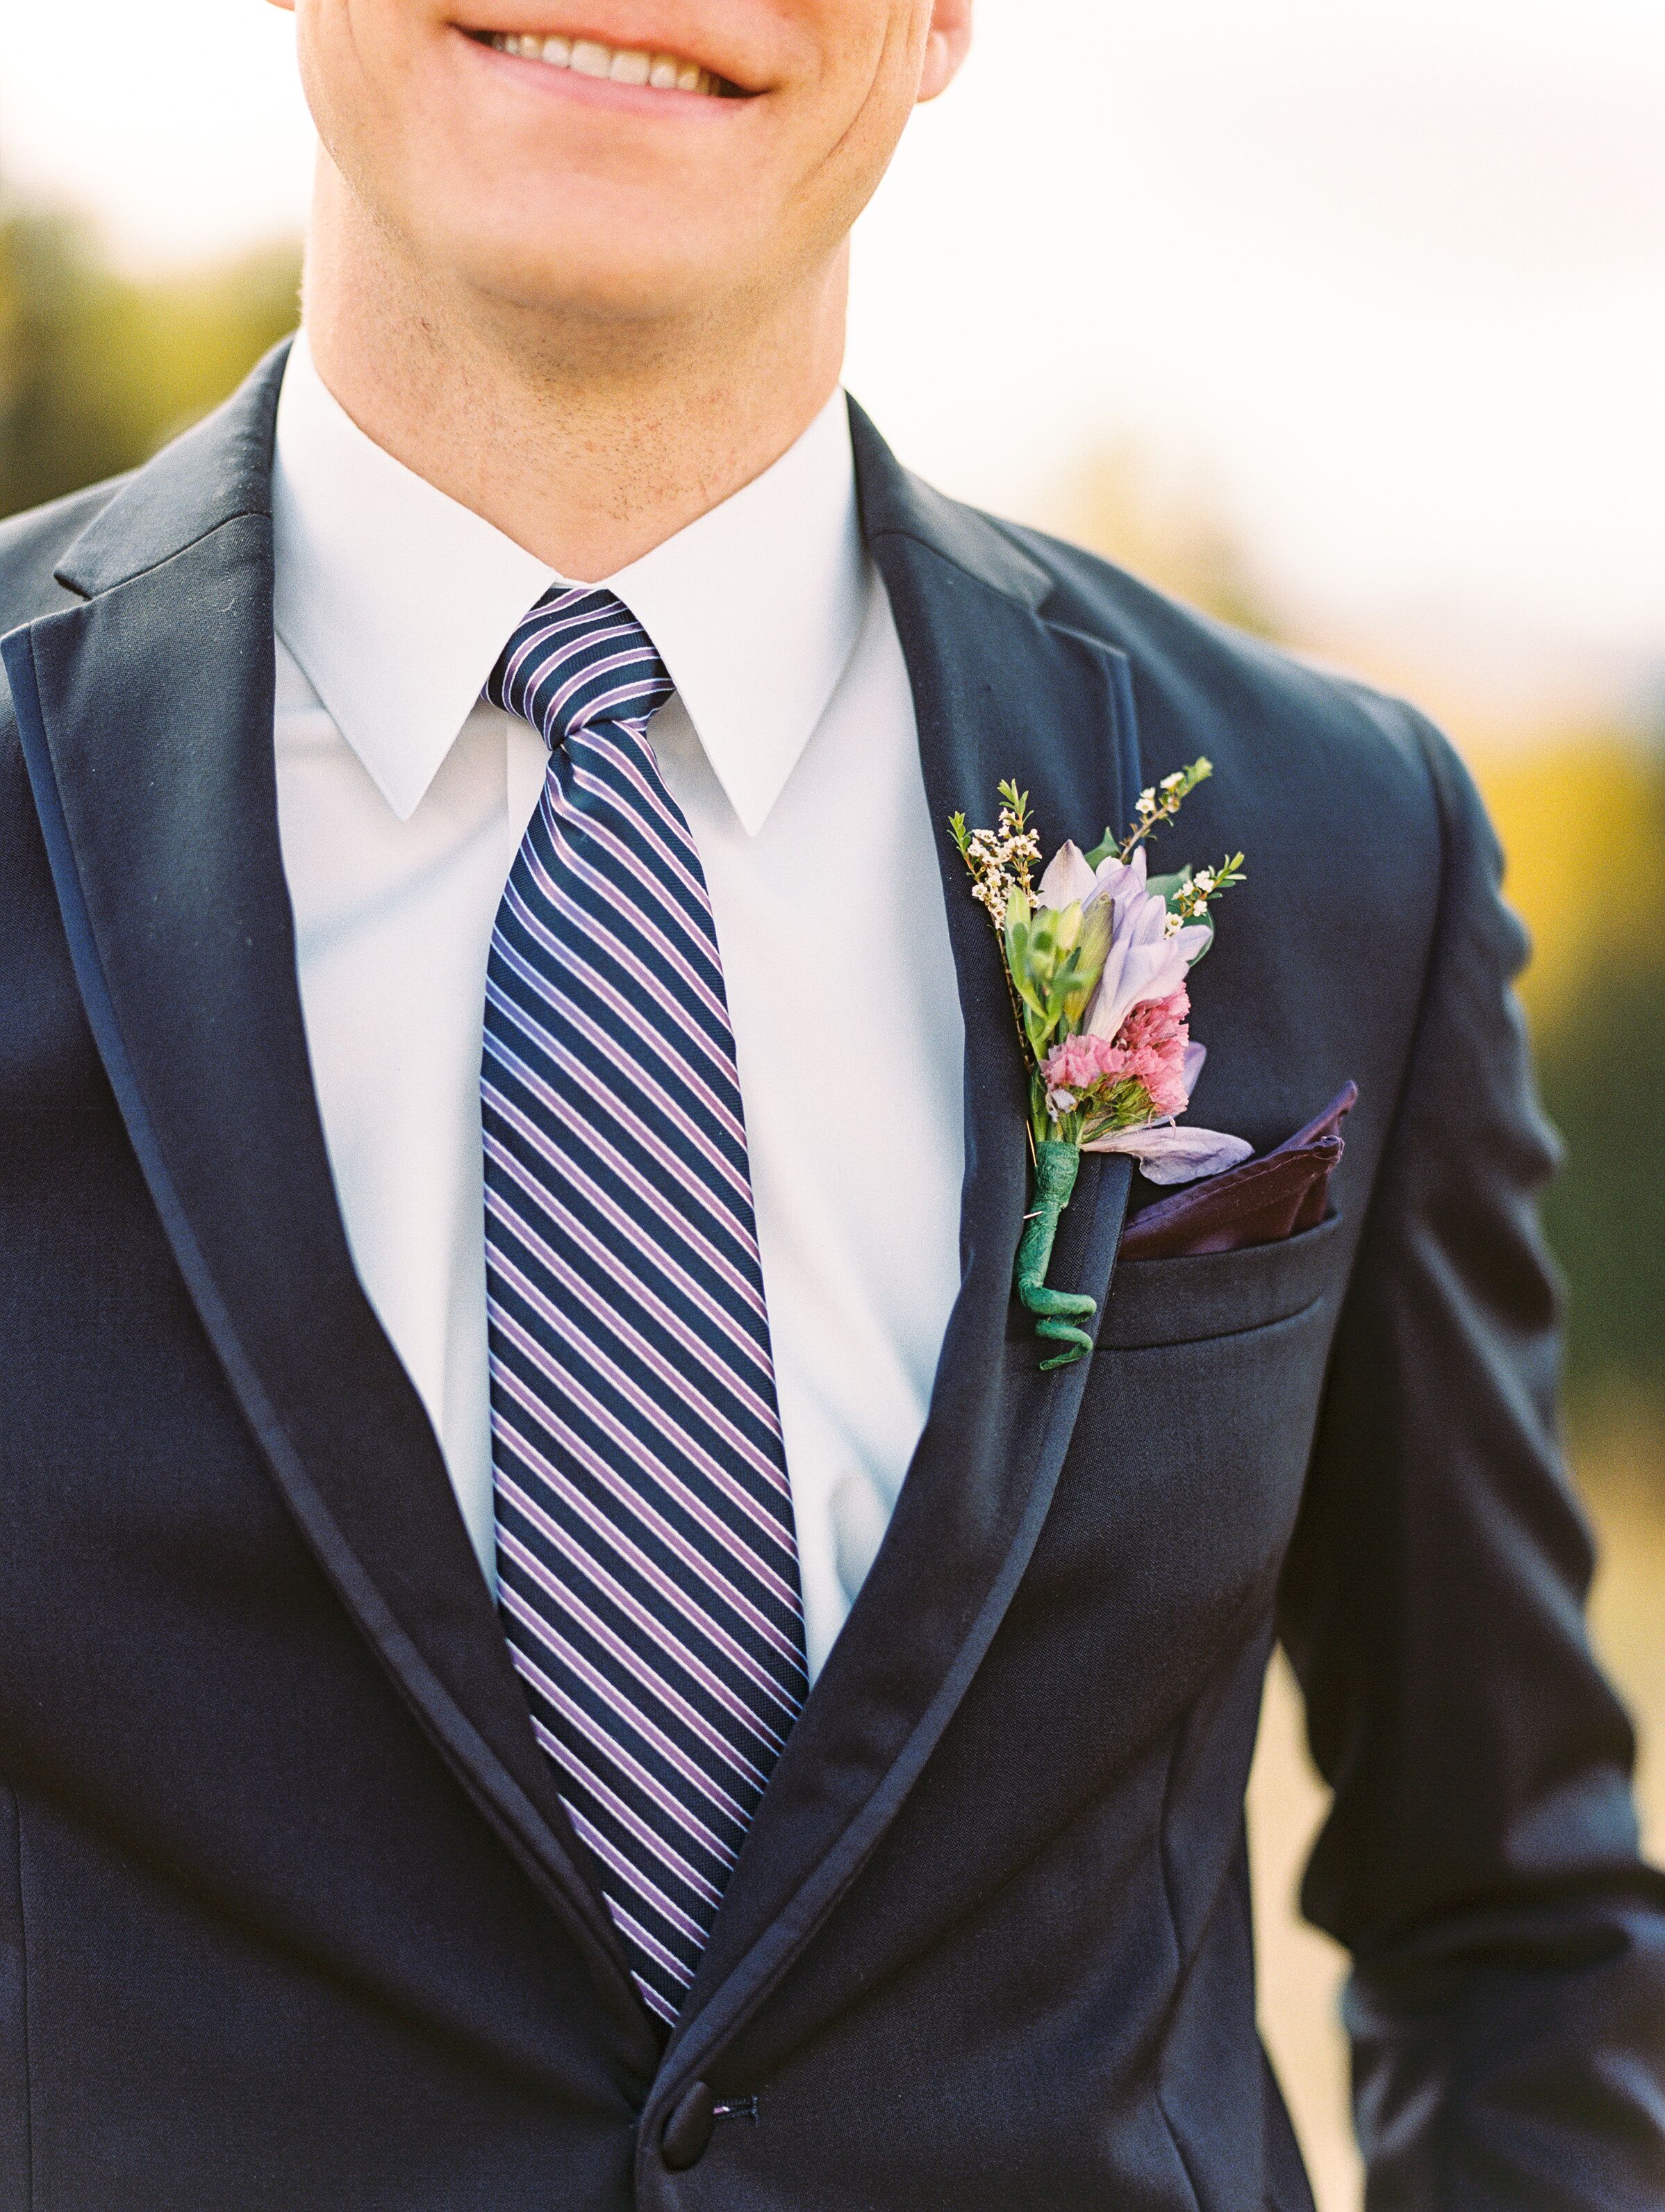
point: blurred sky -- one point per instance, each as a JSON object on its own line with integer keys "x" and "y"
{"x": 1389, "y": 275}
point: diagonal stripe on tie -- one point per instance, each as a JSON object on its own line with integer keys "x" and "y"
{"x": 648, "y": 1561}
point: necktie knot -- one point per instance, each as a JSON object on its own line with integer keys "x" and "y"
{"x": 580, "y": 656}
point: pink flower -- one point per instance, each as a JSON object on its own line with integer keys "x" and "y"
{"x": 1151, "y": 1049}
{"x": 1082, "y": 1063}
{"x": 1154, "y": 1040}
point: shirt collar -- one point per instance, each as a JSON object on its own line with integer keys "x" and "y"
{"x": 396, "y": 600}
{"x": 755, "y": 608}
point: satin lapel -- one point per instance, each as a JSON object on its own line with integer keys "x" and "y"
{"x": 998, "y": 692}
{"x": 146, "y": 717}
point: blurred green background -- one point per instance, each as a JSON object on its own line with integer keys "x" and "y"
{"x": 98, "y": 366}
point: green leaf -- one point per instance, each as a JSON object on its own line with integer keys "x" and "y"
{"x": 1166, "y": 886}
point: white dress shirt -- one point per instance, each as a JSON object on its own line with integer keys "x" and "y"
{"x": 791, "y": 748}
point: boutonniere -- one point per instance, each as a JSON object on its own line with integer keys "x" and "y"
{"x": 1097, "y": 955}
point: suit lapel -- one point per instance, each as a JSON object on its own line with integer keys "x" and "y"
{"x": 146, "y": 717}
{"x": 997, "y": 691}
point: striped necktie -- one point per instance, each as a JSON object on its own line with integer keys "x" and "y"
{"x": 647, "y": 1558}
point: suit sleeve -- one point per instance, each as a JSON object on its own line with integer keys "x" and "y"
{"x": 1507, "y": 2003}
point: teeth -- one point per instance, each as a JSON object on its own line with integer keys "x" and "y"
{"x": 622, "y": 65}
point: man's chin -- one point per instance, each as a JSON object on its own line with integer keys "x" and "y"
{"x": 574, "y": 281}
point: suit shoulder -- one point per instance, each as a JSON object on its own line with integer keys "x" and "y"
{"x": 33, "y": 543}
{"x": 1293, "y": 713}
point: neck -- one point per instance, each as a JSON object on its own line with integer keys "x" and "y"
{"x": 586, "y": 441}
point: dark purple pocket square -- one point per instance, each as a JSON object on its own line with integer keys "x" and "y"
{"x": 1262, "y": 1202}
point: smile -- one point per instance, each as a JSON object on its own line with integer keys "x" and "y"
{"x": 632, "y": 66}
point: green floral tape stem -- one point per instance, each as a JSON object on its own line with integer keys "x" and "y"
{"x": 1056, "y": 1167}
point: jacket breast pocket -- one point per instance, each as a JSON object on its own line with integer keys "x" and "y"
{"x": 1192, "y": 1445}
{"x": 1192, "y": 1299}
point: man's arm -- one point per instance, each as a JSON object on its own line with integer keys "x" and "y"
{"x": 1508, "y": 2000}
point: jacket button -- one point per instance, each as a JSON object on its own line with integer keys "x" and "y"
{"x": 688, "y": 2131}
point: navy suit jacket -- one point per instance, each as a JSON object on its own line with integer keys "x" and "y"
{"x": 290, "y": 1916}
